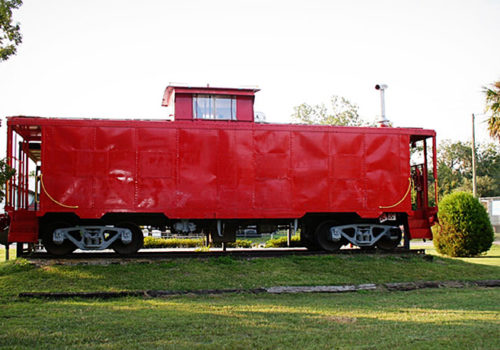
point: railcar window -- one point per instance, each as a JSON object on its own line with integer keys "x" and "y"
{"x": 214, "y": 107}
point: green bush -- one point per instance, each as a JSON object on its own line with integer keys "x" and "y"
{"x": 464, "y": 229}
{"x": 281, "y": 242}
{"x": 152, "y": 242}
{"x": 240, "y": 243}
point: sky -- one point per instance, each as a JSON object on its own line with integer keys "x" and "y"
{"x": 113, "y": 59}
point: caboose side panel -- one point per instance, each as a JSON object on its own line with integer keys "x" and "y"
{"x": 235, "y": 173}
{"x": 347, "y": 183}
{"x": 88, "y": 169}
{"x": 387, "y": 164}
{"x": 157, "y": 168}
{"x": 197, "y": 178}
{"x": 115, "y": 168}
{"x": 194, "y": 172}
{"x": 68, "y": 163}
{"x": 310, "y": 171}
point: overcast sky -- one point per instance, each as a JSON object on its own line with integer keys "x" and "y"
{"x": 114, "y": 58}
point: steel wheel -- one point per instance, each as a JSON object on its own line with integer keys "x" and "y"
{"x": 307, "y": 239}
{"x": 47, "y": 239}
{"x": 309, "y": 244}
{"x": 385, "y": 243}
{"x": 323, "y": 239}
{"x": 137, "y": 240}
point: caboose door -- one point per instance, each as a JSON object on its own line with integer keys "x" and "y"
{"x": 424, "y": 181}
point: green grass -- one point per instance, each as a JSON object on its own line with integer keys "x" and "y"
{"x": 224, "y": 272}
{"x": 491, "y": 258}
{"x": 424, "y": 319}
{"x": 427, "y": 319}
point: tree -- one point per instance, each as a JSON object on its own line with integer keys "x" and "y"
{"x": 6, "y": 172}
{"x": 454, "y": 165}
{"x": 340, "y": 111}
{"x": 493, "y": 105}
{"x": 10, "y": 35}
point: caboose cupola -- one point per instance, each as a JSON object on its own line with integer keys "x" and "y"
{"x": 210, "y": 103}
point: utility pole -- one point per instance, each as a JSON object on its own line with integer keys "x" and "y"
{"x": 474, "y": 188}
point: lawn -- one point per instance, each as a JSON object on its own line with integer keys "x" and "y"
{"x": 427, "y": 319}
{"x": 217, "y": 273}
{"x": 491, "y": 258}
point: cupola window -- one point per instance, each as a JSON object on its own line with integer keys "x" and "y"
{"x": 214, "y": 107}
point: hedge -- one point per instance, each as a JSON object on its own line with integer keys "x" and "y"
{"x": 152, "y": 242}
{"x": 282, "y": 241}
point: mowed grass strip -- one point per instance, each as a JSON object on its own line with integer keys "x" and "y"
{"x": 491, "y": 258}
{"x": 423, "y": 319}
{"x": 225, "y": 272}
{"x": 426, "y": 319}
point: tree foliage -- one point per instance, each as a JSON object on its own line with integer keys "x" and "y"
{"x": 6, "y": 172}
{"x": 454, "y": 165}
{"x": 464, "y": 227}
{"x": 493, "y": 105}
{"x": 339, "y": 111}
{"x": 10, "y": 34}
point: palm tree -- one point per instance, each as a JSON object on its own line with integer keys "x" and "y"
{"x": 493, "y": 104}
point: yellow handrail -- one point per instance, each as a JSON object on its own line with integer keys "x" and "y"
{"x": 402, "y": 199}
{"x": 53, "y": 200}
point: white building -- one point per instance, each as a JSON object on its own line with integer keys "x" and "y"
{"x": 492, "y": 205}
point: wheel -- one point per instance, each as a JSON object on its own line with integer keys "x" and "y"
{"x": 47, "y": 239}
{"x": 385, "y": 243}
{"x": 309, "y": 244}
{"x": 137, "y": 240}
{"x": 307, "y": 239}
{"x": 323, "y": 239}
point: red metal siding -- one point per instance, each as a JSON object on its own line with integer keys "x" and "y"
{"x": 157, "y": 168}
{"x": 183, "y": 107}
{"x": 68, "y": 167}
{"x": 310, "y": 171}
{"x": 235, "y": 172}
{"x": 223, "y": 170}
{"x": 387, "y": 170}
{"x": 347, "y": 171}
{"x": 197, "y": 180}
{"x": 244, "y": 108}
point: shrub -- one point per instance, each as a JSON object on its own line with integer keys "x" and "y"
{"x": 152, "y": 242}
{"x": 281, "y": 242}
{"x": 465, "y": 229}
{"x": 240, "y": 243}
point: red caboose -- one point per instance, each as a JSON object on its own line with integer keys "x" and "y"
{"x": 214, "y": 170}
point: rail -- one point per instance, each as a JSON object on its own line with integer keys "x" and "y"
{"x": 234, "y": 253}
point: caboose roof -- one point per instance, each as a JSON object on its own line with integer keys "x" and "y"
{"x": 209, "y": 90}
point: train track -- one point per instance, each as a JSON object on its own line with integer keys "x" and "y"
{"x": 234, "y": 253}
